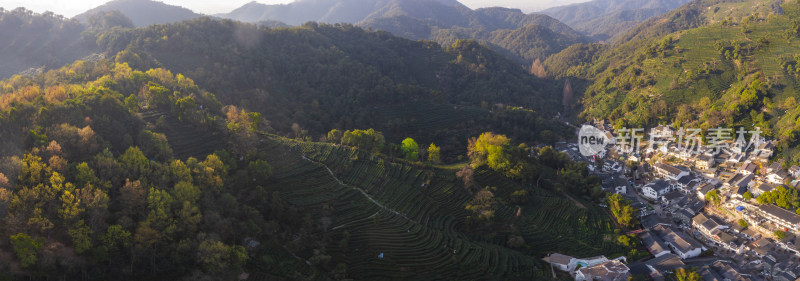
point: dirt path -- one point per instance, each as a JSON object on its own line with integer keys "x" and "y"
{"x": 361, "y": 191}
{"x": 573, "y": 200}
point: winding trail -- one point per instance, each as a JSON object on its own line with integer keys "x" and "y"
{"x": 359, "y": 190}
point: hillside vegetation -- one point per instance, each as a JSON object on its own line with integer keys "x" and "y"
{"x": 39, "y": 41}
{"x": 729, "y": 64}
{"x": 324, "y": 77}
{"x": 141, "y": 12}
{"x": 606, "y": 19}
{"x": 94, "y": 184}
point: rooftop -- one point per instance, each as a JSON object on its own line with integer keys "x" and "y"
{"x": 764, "y": 187}
{"x": 725, "y": 237}
{"x": 748, "y": 167}
{"x": 556, "y": 258}
{"x": 652, "y": 242}
{"x": 780, "y": 213}
{"x": 704, "y": 157}
{"x": 610, "y": 270}
{"x": 677, "y": 239}
{"x": 705, "y": 188}
{"x": 658, "y": 185}
{"x": 686, "y": 179}
{"x": 672, "y": 196}
{"x": 666, "y": 262}
{"x": 672, "y": 170}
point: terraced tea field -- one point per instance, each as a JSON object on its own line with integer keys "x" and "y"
{"x": 415, "y": 216}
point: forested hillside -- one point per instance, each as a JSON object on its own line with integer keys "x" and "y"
{"x": 606, "y": 19}
{"x": 36, "y": 41}
{"x": 324, "y": 77}
{"x": 96, "y": 184}
{"x": 141, "y": 12}
{"x": 730, "y": 63}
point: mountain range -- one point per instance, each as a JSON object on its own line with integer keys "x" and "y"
{"x": 522, "y": 36}
{"x": 605, "y": 19}
{"x": 142, "y": 12}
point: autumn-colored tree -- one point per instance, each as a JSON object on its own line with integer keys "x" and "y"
{"x": 537, "y": 69}
{"x": 4, "y": 183}
{"x": 486, "y": 146}
{"x": 132, "y": 198}
{"x": 434, "y": 154}
{"x": 465, "y": 174}
{"x": 482, "y": 206}
{"x": 567, "y": 96}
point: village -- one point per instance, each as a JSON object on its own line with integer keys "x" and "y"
{"x": 698, "y": 208}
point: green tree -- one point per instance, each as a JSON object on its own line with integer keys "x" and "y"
{"x": 434, "y": 154}
{"x": 134, "y": 161}
{"x": 259, "y": 170}
{"x": 621, "y": 209}
{"x": 213, "y": 255}
{"x": 410, "y": 149}
{"x": 713, "y": 197}
{"x": 335, "y": 136}
{"x": 780, "y": 234}
{"x": 85, "y": 175}
{"x": 683, "y": 274}
{"x": 81, "y": 237}
{"x": 186, "y": 192}
{"x": 116, "y": 237}
{"x": 624, "y": 240}
{"x": 747, "y": 196}
{"x": 364, "y": 139}
{"x": 132, "y": 103}
{"x": 743, "y": 223}
{"x": 26, "y": 248}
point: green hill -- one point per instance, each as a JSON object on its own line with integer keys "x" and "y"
{"x": 32, "y": 41}
{"x": 97, "y": 159}
{"x": 606, "y": 19}
{"x": 142, "y": 12}
{"x": 325, "y": 77}
{"x": 715, "y": 63}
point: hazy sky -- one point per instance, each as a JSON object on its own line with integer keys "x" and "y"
{"x": 71, "y": 8}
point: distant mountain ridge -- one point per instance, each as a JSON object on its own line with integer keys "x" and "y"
{"x": 32, "y": 40}
{"x": 444, "y": 21}
{"x": 605, "y": 19}
{"x": 143, "y": 12}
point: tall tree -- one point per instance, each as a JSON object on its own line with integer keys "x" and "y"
{"x": 567, "y": 96}
{"x": 537, "y": 69}
{"x": 410, "y": 149}
{"x": 434, "y": 154}
{"x": 683, "y": 274}
{"x": 26, "y": 248}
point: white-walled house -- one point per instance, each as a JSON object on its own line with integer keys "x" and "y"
{"x": 778, "y": 177}
{"x": 656, "y": 189}
{"x": 670, "y": 172}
